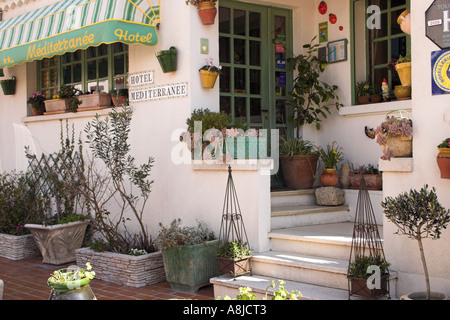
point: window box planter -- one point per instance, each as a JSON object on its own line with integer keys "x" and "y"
{"x": 358, "y": 286}
{"x": 188, "y": 268}
{"x": 124, "y": 269}
{"x": 94, "y": 101}
{"x": 9, "y": 86}
{"x": 373, "y": 181}
{"x": 57, "y": 243}
{"x": 55, "y": 106}
{"x": 18, "y": 247}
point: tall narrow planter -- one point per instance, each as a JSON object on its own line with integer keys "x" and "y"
{"x": 188, "y": 268}
{"x": 167, "y": 59}
{"x": 207, "y": 11}
{"x": 9, "y": 86}
{"x": 58, "y": 243}
{"x": 299, "y": 171}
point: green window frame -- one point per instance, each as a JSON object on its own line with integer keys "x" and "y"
{"x": 103, "y": 68}
{"x": 381, "y": 46}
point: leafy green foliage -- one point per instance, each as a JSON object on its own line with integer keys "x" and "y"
{"x": 311, "y": 97}
{"x": 358, "y": 267}
{"x": 216, "y": 120}
{"x": 234, "y": 250}
{"x": 245, "y": 293}
{"x": 296, "y": 146}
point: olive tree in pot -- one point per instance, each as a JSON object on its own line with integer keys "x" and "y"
{"x": 418, "y": 215}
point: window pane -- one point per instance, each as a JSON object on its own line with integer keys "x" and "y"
{"x": 255, "y": 24}
{"x": 225, "y": 80}
{"x": 280, "y": 83}
{"x": 255, "y": 53}
{"x": 396, "y": 3}
{"x": 91, "y": 52}
{"x": 225, "y": 104}
{"x": 92, "y": 70}
{"x": 280, "y": 27}
{"x": 395, "y": 27}
{"x": 281, "y": 111}
{"x": 240, "y": 108}
{"x": 255, "y": 81}
{"x": 380, "y": 52}
{"x": 380, "y": 3}
{"x": 379, "y": 75}
{"x": 239, "y": 51}
{"x": 119, "y": 47}
{"x": 383, "y": 31}
{"x": 76, "y": 56}
{"x": 119, "y": 83}
{"x": 239, "y": 80}
{"x": 77, "y": 72}
{"x": 255, "y": 111}
{"x": 119, "y": 65}
{"x": 398, "y": 47}
{"x": 239, "y": 22}
{"x": 67, "y": 74}
{"x": 103, "y": 68}
{"x": 224, "y": 52}
{"x": 103, "y": 50}
{"x": 224, "y": 20}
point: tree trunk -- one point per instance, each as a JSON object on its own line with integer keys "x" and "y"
{"x": 425, "y": 269}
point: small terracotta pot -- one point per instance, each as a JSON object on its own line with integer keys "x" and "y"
{"x": 443, "y": 161}
{"x": 329, "y": 178}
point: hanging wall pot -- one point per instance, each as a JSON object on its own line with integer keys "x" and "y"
{"x": 167, "y": 59}
{"x": 207, "y": 12}
{"x": 9, "y": 86}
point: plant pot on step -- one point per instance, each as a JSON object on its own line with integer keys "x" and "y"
{"x": 57, "y": 243}
{"x": 234, "y": 267}
{"x": 167, "y": 59}
{"x": 329, "y": 177}
{"x": 207, "y": 11}
{"x": 358, "y": 286}
{"x": 9, "y": 86}
{"x": 299, "y": 170}
{"x": 423, "y": 295}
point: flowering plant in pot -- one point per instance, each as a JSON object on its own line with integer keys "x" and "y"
{"x": 331, "y": 156}
{"x": 418, "y": 215}
{"x": 394, "y": 135}
{"x": 209, "y": 73}
{"x": 372, "y": 177}
{"x": 64, "y": 101}
{"x": 36, "y": 100}
{"x": 365, "y": 92}
{"x": 206, "y": 10}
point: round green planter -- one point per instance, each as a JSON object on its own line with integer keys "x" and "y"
{"x": 9, "y": 86}
{"x": 167, "y": 59}
{"x": 188, "y": 268}
{"x": 71, "y": 290}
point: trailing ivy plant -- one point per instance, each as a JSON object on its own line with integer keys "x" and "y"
{"x": 311, "y": 97}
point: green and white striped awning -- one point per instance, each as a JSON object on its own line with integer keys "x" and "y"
{"x": 70, "y": 25}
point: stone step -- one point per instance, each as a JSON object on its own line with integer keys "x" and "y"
{"x": 304, "y": 215}
{"x": 293, "y": 198}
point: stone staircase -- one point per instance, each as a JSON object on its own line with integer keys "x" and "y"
{"x": 310, "y": 249}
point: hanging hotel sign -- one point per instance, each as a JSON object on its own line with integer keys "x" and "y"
{"x": 437, "y": 19}
{"x": 440, "y": 63}
{"x": 167, "y": 91}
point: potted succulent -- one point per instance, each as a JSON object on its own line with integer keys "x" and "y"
{"x": 234, "y": 258}
{"x": 330, "y": 158}
{"x": 189, "y": 255}
{"x": 443, "y": 158}
{"x": 298, "y": 159}
{"x": 209, "y": 74}
{"x": 394, "y": 135}
{"x": 36, "y": 100}
{"x": 206, "y": 10}
{"x": 358, "y": 276}
{"x": 72, "y": 284}
{"x": 418, "y": 215}
{"x": 65, "y": 101}
{"x": 372, "y": 177}
{"x": 366, "y": 93}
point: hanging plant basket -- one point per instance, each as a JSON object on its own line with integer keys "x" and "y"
{"x": 208, "y": 78}
{"x": 167, "y": 59}
{"x": 9, "y": 86}
{"x": 207, "y": 12}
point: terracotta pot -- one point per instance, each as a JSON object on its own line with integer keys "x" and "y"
{"x": 55, "y": 106}
{"x": 207, "y": 12}
{"x": 402, "y": 92}
{"x": 376, "y": 98}
{"x": 299, "y": 171}
{"x": 364, "y": 100}
{"x": 404, "y": 72}
{"x": 329, "y": 178}
{"x": 443, "y": 161}
{"x": 373, "y": 181}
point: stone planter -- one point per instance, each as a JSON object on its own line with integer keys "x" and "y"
{"x": 18, "y": 247}
{"x": 373, "y": 181}
{"x": 401, "y": 146}
{"x": 422, "y": 296}
{"x": 123, "y": 269}
{"x": 56, "y": 106}
{"x": 94, "y": 101}
{"x": 58, "y": 243}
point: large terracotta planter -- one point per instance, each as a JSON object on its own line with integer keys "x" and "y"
{"x": 329, "y": 177}
{"x": 58, "y": 243}
{"x": 404, "y": 72}
{"x": 207, "y": 12}
{"x": 188, "y": 268}
{"x": 443, "y": 161}
{"x": 299, "y": 171}
{"x": 56, "y": 106}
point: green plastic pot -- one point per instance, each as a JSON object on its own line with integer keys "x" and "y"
{"x": 167, "y": 59}
{"x": 9, "y": 86}
{"x": 188, "y": 268}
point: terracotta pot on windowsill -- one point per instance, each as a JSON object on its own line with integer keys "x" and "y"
{"x": 56, "y": 106}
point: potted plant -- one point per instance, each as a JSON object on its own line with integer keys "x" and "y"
{"x": 119, "y": 97}
{"x": 403, "y": 68}
{"x": 366, "y": 93}
{"x": 8, "y": 86}
{"x": 58, "y": 177}
{"x": 112, "y": 179}
{"x": 209, "y": 74}
{"x": 298, "y": 159}
{"x": 394, "y": 135}
{"x": 358, "y": 276}
{"x": 189, "y": 255}
{"x": 36, "y": 100}
{"x": 65, "y": 101}
{"x": 19, "y": 205}
{"x": 234, "y": 258}
{"x": 443, "y": 158}
{"x": 418, "y": 215}
{"x": 167, "y": 59}
{"x": 330, "y": 158}
{"x": 94, "y": 101}
{"x": 72, "y": 284}
{"x": 206, "y": 10}
{"x": 310, "y": 96}
{"x": 372, "y": 177}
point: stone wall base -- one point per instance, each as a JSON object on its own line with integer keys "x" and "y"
{"x": 131, "y": 271}
{"x": 18, "y": 247}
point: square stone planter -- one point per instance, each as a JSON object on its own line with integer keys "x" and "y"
{"x": 56, "y": 106}
{"x": 123, "y": 269}
{"x": 94, "y": 101}
{"x": 57, "y": 243}
{"x": 18, "y": 247}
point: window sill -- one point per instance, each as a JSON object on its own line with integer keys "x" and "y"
{"x": 396, "y": 165}
{"x": 375, "y": 108}
{"x": 69, "y": 115}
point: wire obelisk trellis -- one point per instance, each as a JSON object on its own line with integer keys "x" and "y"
{"x": 366, "y": 242}
{"x": 232, "y": 231}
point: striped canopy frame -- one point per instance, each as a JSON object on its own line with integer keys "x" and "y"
{"x": 70, "y": 25}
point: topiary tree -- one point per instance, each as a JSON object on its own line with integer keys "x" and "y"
{"x": 418, "y": 215}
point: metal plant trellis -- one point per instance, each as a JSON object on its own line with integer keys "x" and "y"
{"x": 366, "y": 242}
{"x": 232, "y": 230}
